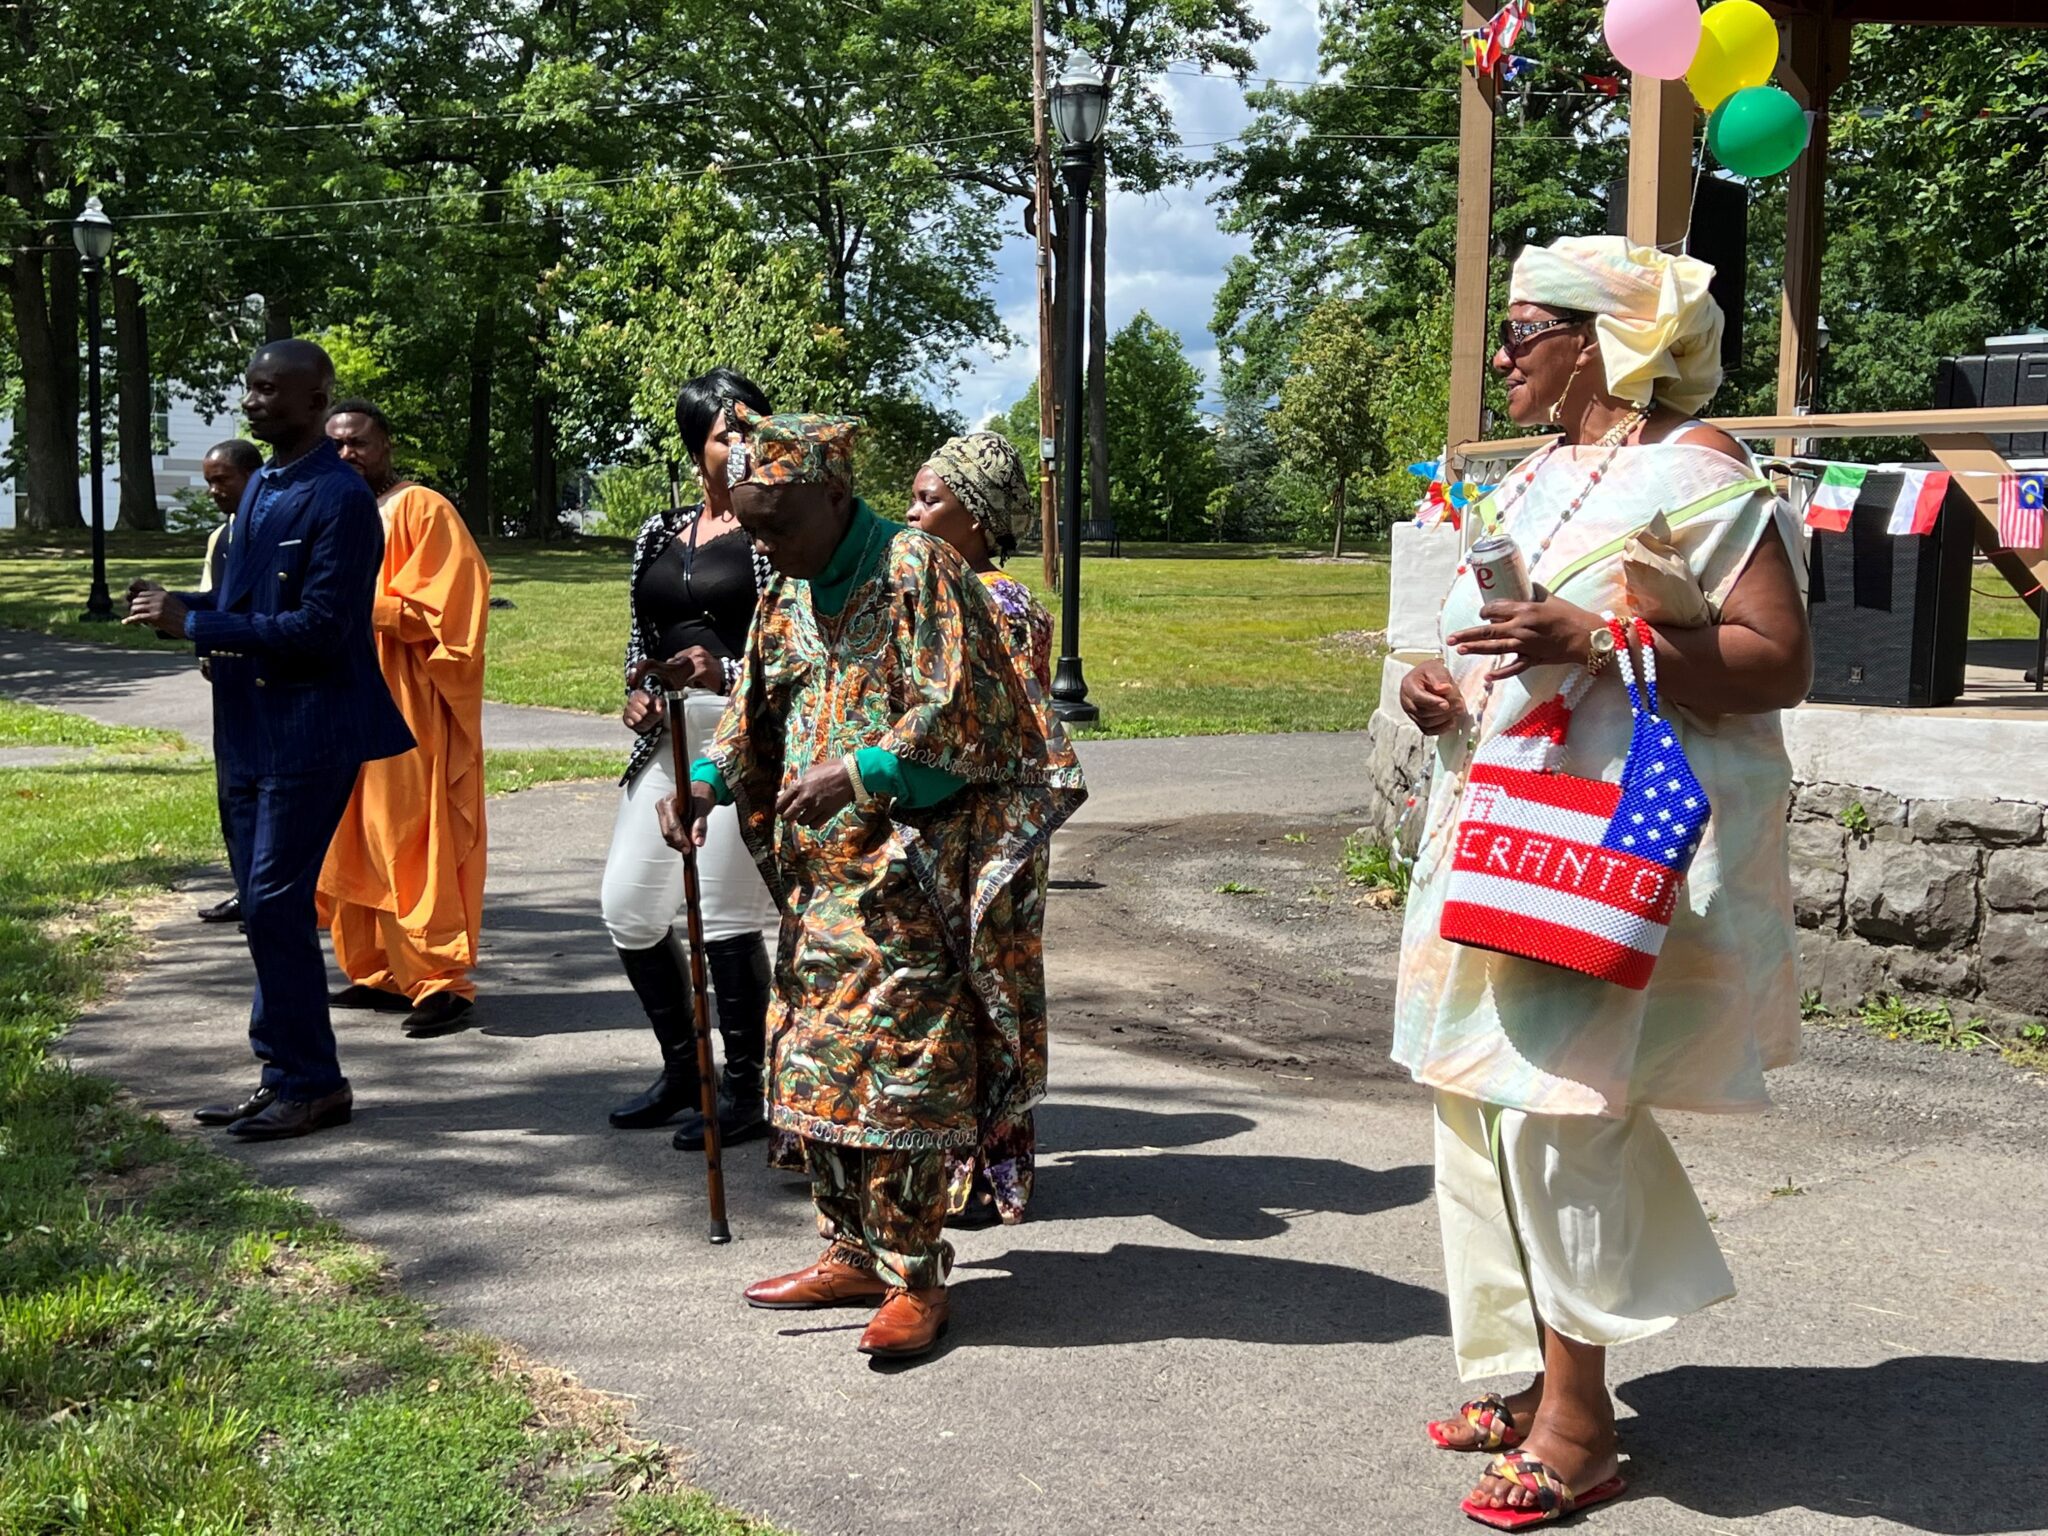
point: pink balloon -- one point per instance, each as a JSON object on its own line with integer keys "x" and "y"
{"x": 1654, "y": 37}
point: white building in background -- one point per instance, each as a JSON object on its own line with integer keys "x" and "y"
{"x": 188, "y": 428}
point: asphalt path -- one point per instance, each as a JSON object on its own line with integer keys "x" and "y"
{"x": 161, "y": 688}
{"x": 1225, "y": 1313}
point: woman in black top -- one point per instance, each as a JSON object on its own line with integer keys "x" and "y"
{"x": 695, "y": 583}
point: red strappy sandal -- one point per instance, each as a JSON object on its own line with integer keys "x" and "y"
{"x": 1490, "y": 1416}
{"x": 1554, "y": 1501}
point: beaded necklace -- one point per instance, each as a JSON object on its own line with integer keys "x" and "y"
{"x": 1613, "y": 440}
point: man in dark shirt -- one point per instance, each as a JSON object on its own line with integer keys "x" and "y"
{"x": 227, "y": 470}
{"x": 298, "y": 706}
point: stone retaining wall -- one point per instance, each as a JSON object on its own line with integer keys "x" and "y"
{"x": 1945, "y": 898}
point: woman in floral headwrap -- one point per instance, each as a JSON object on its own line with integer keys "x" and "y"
{"x": 970, "y": 494}
{"x": 1568, "y": 1221}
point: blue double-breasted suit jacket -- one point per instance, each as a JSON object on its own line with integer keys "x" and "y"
{"x": 296, "y": 685}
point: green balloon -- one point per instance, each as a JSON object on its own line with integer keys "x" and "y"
{"x": 1758, "y": 132}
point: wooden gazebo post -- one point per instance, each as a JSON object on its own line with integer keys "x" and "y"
{"x": 1661, "y": 115}
{"x": 1471, "y": 293}
{"x": 1815, "y": 61}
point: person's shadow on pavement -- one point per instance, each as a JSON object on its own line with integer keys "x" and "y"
{"x": 1136, "y": 1293}
{"x": 1214, "y": 1196}
{"x": 1221, "y": 1198}
{"x": 1935, "y": 1442}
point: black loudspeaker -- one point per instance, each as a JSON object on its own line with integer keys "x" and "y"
{"x": 2011, "y": 371}
{"x": 1891, "y": 613}
{"x": 1720, "y": 237}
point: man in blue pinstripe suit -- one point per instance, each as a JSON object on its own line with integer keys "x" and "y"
{"x": 298, "y": 706}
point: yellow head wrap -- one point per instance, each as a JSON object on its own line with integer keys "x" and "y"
{"x": 1659, "y": 329}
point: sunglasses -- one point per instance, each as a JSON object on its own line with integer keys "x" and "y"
{"x": 1516, "y": 334}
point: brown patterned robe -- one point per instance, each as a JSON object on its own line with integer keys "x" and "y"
{"x": 902, "y": 932}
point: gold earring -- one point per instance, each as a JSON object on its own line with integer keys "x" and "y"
{"x": 1557, "y": 405}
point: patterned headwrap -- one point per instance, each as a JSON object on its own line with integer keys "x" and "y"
{"x": 987, "y": 474}
{"x": 791, "y": 449}
{"x": 1659, "y": 329}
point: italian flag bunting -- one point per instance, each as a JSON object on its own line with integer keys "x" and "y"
{"x": 1918, "y": 508}
{"x": 1835, "y": 497}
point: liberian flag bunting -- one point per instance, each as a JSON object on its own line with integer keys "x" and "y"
{"x": 1918, "y": 507}
{"x": 2020, "y": 500}
{"x": 1835, "y": 497}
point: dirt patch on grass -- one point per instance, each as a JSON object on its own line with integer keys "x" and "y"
{"x": 1359, "y": 643}
{"x": 1234, "y": 941}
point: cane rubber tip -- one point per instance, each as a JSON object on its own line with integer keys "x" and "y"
{"x": 721, "y": 1233}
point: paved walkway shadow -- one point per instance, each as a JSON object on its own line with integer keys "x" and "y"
{"x": 1136, "y": 1293}
{"x": 1222, "y": 1198}
{"x": 1064, "y": 1126}
{"x": 1937, "y": 1443}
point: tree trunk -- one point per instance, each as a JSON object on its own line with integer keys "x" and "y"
{"x": 544, "y": 519}
{"x": 1098, "y": 349}
{"x": 277, "y": 317}
{"x": 46, "y": 425}
{"x": 477, "y": 508}
{"x": 135, "y": 402}
{"x": 1343, "y": 487}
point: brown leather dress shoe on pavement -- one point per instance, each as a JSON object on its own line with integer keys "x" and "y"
{"x": 909, "y": 1324}
{"x": 227, "y": 1114}
{"x": 827, "y": 1283}
{"x": 296, "y": 1117}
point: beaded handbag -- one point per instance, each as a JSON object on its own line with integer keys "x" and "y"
{"x": 1575, "y": 872}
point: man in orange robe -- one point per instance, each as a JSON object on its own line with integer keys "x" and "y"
{"x": 402, "y": 891}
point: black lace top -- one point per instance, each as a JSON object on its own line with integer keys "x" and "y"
{"x": 644, "y": 638}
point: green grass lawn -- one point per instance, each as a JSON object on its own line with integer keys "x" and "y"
{"x": 183, "y": 1350}
{"x": 1177, "y": 640}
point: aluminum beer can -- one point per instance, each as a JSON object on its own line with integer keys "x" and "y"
{"x": 1499, "y": 569}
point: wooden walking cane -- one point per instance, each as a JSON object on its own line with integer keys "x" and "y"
{"x": 693, "y": 904}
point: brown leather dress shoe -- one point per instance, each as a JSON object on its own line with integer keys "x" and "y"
{"x": 827, "y": 1283}
{"x": 908, "y": 1324}
{"x": 296, "y": 1117}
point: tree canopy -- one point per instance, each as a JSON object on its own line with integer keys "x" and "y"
{"x": 520, "y": 223}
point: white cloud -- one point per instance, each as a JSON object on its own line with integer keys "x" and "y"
{"x": 1166, "y": 254}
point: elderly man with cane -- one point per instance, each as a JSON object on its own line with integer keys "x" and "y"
{"x": 893, "y": 780}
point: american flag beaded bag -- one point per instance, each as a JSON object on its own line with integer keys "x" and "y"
{"x": 1575, "y": 872}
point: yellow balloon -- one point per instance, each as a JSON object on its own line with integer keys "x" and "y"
{"x": 1738, "y": 49}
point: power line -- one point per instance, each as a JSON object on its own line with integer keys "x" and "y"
{"x": 594, "y": 184}
{"x": 402, "y": 120}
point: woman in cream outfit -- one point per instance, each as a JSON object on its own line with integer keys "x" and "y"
{"x": 1568, "y": 1222}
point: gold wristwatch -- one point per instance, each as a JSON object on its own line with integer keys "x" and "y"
{"x": 1599, "y": 649}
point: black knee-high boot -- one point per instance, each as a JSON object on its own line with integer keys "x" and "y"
{"x": 663, "y": 987}
{"x": 739, "y": 975}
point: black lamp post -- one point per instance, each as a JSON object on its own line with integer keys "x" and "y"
{"x": 1080, "y": 101}
{"x": 93, "y": 233}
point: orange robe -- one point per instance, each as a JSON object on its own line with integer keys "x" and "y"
{"x": 403, "y": 887}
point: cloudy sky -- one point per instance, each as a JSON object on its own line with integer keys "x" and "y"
{"x": 1166, "y": 255}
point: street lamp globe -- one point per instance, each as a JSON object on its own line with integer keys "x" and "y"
{"x": 1080, "y": 101}
{"x": 93, "y": 232}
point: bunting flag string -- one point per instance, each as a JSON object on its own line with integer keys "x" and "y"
{"x": 2020, "y": 502}
{"x": 1918, "y": 505}
{"x": 1489, "y": 47}
{"x": 1835, "y": 497}
{"x": 1828, "y": 492}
